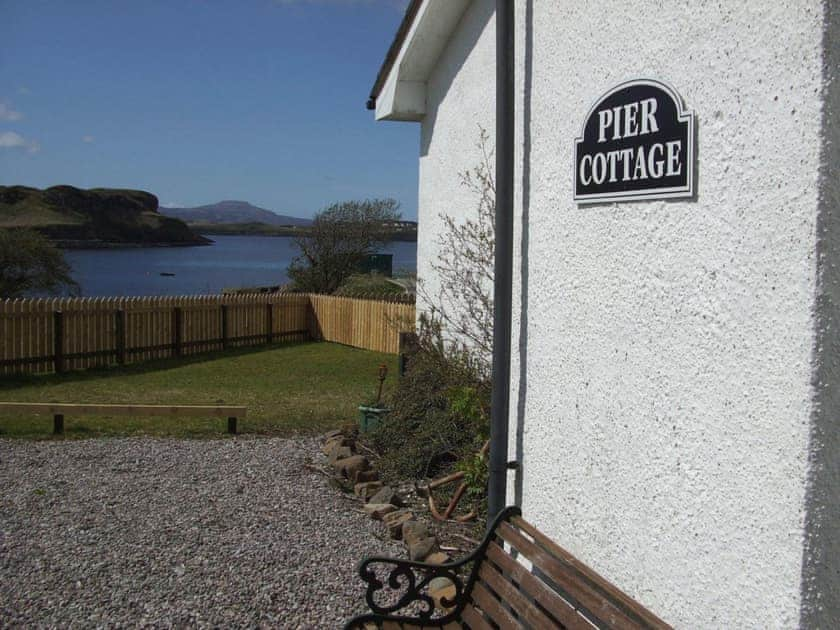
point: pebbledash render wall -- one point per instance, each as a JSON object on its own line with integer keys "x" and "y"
{"x": 673, "y": 348}
{"x": 676, "y": 377}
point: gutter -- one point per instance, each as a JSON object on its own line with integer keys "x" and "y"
{"x": 503, "y": 271}
{"x": 393, "y": 51}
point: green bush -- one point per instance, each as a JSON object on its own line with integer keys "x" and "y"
{"x": 439, "y": 411}
{"x": 368, "y": 285}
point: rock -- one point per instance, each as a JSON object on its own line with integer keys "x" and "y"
{"x": 388, "y": 495}
{"x": 377, "y": 511}
{"x": 439, "y": 588}
{"x": 333, "y": 434}
{"x": 414, "y": 531}
{"x": 339, "y": 452}
{"x": 421, "y": 549}
{"x": 366, "y": 475}
{"x": 394, "y": 522}
{"x": 366, "y": 489}
{"x": 333, "y": 443}
{"x": 438, "y": 557}
{"x": 347, "y": 467}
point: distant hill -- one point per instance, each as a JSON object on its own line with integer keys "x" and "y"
{"x": 232, "y": 212}
{"x": 93, "y": 218}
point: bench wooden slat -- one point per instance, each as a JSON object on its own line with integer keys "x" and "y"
{"x": 474, "y": 619}
{"x": 491, "y": 607}
{"x": 127, "y": 410}
{"x": 551, "y": 590}
{"x": 535, "y": 588}
{"x": 508, "y": 593}
{"x": 590, "y": 600}
{"x": 605, "y": 585}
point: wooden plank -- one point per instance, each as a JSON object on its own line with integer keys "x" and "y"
{"x": 491, "y": 607}
{"x": 510, "y": 595}
{"x": 537, "y": 590}
{"x": 119, "y": 335}
{"x": 592, "y": 601}
{"x": 474, "y": 619}
{"x": 232, "y": 411}
{"x": 602, "y": 583}
{"x": 58, "y": 337}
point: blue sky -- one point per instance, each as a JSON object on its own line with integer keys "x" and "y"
{"x": 202, "y": 100}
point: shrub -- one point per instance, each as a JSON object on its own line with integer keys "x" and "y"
{"x": 367, "y": 285}
{"x": 439, "y": 410}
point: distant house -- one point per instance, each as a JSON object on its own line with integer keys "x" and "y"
{"x": 675, "y": 404}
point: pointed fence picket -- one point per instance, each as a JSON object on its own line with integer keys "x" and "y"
{"x": 57, "y": 334}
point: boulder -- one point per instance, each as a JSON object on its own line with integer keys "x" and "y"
{"x": 347, "y": 467}
{"x": 421, "y": 549}
{"x": 333, "y": 443}
{"x": 366, "y": 489}
{"x": 414, "y": 531}
{"x": 339, "y": 452}
{"x": 388, "y": 495}
{"x": 438, "y": 557}
{"x": 377, "y": 511}
{"x": 394, "y": 522}
{"x": 333, "y": 434}
{"x": 366, "y": 475}
{"x": 441, "y": 587}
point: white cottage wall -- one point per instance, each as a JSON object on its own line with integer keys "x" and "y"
{"x": 665, "y": 436}
{"x": 674, "y": 399}
{"x": 460, "y": 102}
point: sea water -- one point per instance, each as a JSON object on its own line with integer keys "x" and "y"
{"x": 231, "y": 261}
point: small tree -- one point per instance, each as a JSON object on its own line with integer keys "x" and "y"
{"x": 463, "y": 301}
{"x": 29, "y": 262}
{"x": 340, "y": 239}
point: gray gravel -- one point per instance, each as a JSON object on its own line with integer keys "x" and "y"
{"x": 154, "y": 532}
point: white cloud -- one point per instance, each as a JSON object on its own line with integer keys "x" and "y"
{"x": 88, "y": 139}
{"x": 7, "y": 113}
{"x": 12, "y": 140}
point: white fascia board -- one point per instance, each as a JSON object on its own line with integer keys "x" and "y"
{"x": 403, "y": 96}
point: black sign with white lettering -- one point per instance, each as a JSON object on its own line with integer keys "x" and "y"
{"x": 637, "y": 143}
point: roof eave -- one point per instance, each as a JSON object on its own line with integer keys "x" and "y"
{"x": 400, "y": 89}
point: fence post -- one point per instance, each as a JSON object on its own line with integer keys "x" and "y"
{"x": 58, "y": 341}
{"x": 58, "y": 424}
{"x": 408, "y": 344}
{"x": 119, "y": 334}
{"x": 269, "y": 322}
{"x": 224, "y": 315}
{"x": 177, "y": 317}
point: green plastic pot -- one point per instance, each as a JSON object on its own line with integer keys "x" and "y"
{"x": 370, "y": 417}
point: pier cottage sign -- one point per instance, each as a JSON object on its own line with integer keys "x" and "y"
{"x": 637, "y": 143}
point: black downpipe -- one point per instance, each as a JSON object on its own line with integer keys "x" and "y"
{"x": 503, "y": 272}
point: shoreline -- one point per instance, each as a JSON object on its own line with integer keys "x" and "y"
{"x": 83, "y": 244}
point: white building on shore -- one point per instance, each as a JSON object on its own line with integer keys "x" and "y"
{"x": 675, "y": 391}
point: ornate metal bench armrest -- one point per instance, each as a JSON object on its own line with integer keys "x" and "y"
{"x": 407, "y": 582}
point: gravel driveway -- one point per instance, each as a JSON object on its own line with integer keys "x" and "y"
{"x": 144, "y": 531}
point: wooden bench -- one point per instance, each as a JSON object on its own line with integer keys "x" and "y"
{"x": 59, "y": 410}
{"x": 492, "y": 589}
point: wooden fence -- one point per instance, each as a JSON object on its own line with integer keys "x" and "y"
{"x": 58, "y": 334}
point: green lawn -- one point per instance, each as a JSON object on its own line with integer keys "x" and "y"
{"x": 291, "y": 389}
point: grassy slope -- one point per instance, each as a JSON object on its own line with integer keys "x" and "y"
{"x": 300, "y": 388}
{"x": 99, "y": 214}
